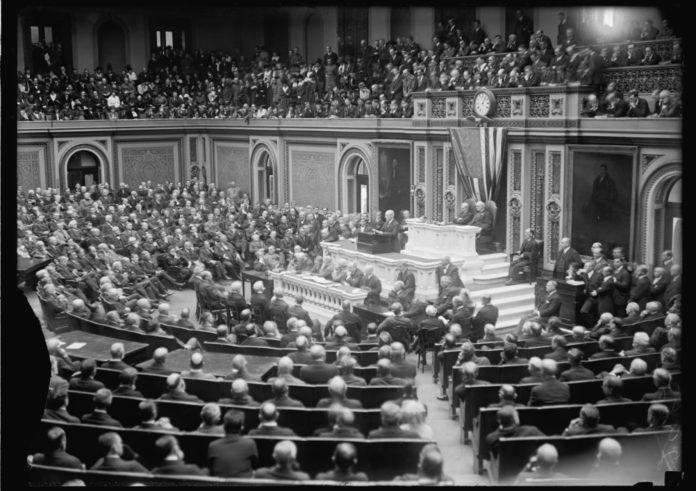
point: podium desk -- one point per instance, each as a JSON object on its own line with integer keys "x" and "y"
{"x": 375, "y": 243}
{"x": 572, "y": 297}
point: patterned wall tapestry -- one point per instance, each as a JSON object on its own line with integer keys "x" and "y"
{"x": 28, "y": 169}
{"x": 154, "y": 164}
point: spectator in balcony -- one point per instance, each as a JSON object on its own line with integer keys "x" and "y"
{"x": 633, "y": 56}
{"x": 676, "y": 53}
{"x": 618, "y": 57}
{"x": 667, "y": 106}
{"x": 524, "y": 27}
{"x": 512, "y": 44}
{"x": 637, "y": 106}
{"x": 616, "y": 107}
{"x": 651, "y": 57}
{"x": 649, "y": 31}
{"x": 591, "y": 108}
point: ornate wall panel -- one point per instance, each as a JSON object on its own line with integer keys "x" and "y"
{"x": 538, "y": 106}
{"x": 438, "y": 196}
{"x": 450, "y": 197}
{"x": 437, "y": 108}
{"x": 504, "y": 106}
{"x": 156, "y": 162}
{"x": 312, "y": 176}
{"x": 646, "y": 79}
{"x": 553, "y": 207}
{"x": 420, "y": 179}
{"x": 30, "y": 168}
{"x": 514, "y": 220}
{"x": 536, "y": 202}
{"x": 232, "y": 164}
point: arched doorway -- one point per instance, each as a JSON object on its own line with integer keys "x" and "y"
{"x": 112, "y": 46}
{"x": 357, "y": 186}
{"x": 83, "y": 169}
{"x": 668, "y": 213}
{"x": 264, "y": 178}
{"x": 314, "y": 37}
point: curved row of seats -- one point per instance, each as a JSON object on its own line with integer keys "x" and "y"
{"x": 186, "y": 416}
{"x": 379, "y": 459}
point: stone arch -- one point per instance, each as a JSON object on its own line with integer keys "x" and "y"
{"x": 654, "y": 188}
{"x": 102, "y": 161}
{"x": 125, "y": 30}
{"x": 346, "y": 166}
{"x": 261, "y": 186}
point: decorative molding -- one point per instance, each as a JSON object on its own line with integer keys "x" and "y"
{"x": 649, "y": 191}
{"x": 420, "y": 109}
{"x": 438, "y": 187}
{"x": 516, "y": 170}
{"x": 437, "y": 108}
{"x": 517, "y": 107}
{"x": 538, "y": 106}
{"x": 646, "y": 79}
{"x": 29, "y": 168}
{"x": 536, "y": 199}
{"x": 646, "y": 159}
{"x": 557, "y": 105}
{"x": 503, "y": 106}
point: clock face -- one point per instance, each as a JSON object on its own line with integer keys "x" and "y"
{"x": 482, "y": 104}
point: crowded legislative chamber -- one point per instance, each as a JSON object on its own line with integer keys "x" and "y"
{"x": 408, "y": 245}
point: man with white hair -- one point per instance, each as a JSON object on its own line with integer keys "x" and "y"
{"x": 235, "y": 299}
{"x": 337, "y": 391}
{"x": 550, "y": 391}
{"x": 483, "y": 218}
{"x": 541, "y": 466}
{"x": 196, "y": 368}
{"x": 116, "y": 362}
{"x": 348, "y": 319}
{"x": 278, "y": 307}
{"x": 632, "y": 314}
{"x": 285, "y": 369}
{"x": 298, "y": 311}
{"x": 286, "y": 468}
{"x": 641, "y": 345}
{"x": 259, "y": 302}
{"x": 318, "y": 372}
{"x": 340, "y": 339}
{"x": 164, "y": 316}
{"x": 176, "y": 390}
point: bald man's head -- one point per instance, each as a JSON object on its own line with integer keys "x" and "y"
{"x": 337, "y": 386}
{"x": 285, "y": 453}
{"x": 318, "y": 353}
{"x": 547, "y": 456}
{"x": 345, "y": 456}
{"x": 609, "y": 452}
{"x": 431, "y": 462}
{"x": 160, "y": 355}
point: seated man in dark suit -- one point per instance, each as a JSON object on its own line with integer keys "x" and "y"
{"x": 55, "y": 455}
{"x": 196, "y": 368}
{"x": 159, "y": 358}
{"x": 339, "y": 339}
{"x": 550, "y": 306}
{"x": 176, "y": 390}
{"x": 345, "y": 370}
{"x": 535, "y": 373}
{"x": 632, "y": 313}
{"x": 658, "y": 414}
{"x": 318, "y": 372}
{"x": 147, "y": 412}
{"x": 252, "y": 337}
{"x": 337, "y": 391}
{"x": 541, "y": 466}
{"x": 100, "y": 416}
{"x": 550, "y": 391}
{"x": 286, "y": 468}
{"x": 506, "y": 397}
{"x": 302, "y": 356}
{"x": 234, "y": 455}
{"x": 469, "y": 377}
{"x": 112, "y": 448}
{"x": 173, "y": 462}
{"x": 280, "y": 390}
{"x": 239, "y": 392}
{"x": 522, "y": 258}
{"x": 576, "y": 370}
{"x": 559, "y": 353}
{"x": 487, "y": 314}
{"x": 483, "y": 218}
{"x": 640, "y": 289}
{"x": 391, "y": 418}
{"x": 510, "y": 355}
{"x": 184, "y": 319}
{"x": 84, "y": 379}
{"x": 606, "y": 349}
{"x": 468, "y": 353}
{"x": 384, "y": 374}
{"x": 345, "y": 458}
{"x": 116, "y": 361}
{"x": 662, "y": 380}
{"x": 399, "y": 366}
{"x": 268, "y": 422}
{"x": 669, "y": 359}
{"x": 278, "y": 307}
{"x": 351, "y": 321}
{"x": 640, "y": 345}
{"x": 341, "y": 420}
{"x": 210, "y": 420}
{"x": 465, "y": 215}
{"x": 612, "y": 386}
{"x": 509, "y": 427}
{"x": 57, "y": 406}
{"x": 284, "y": 371}
{"x": 490, "y": 335}
{"x": 298, "y": 312}
{"x": 126, "y": 380}
{"x": 587, "y": 423}
{"x": 373, "y": 285}
{"x": 430, "y": 468}
{"x": 536, "y": 336}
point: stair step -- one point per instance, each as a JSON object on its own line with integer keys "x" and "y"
{"x": 490, "y": 277}
{"x": 504, "y": 303}
{"x": 492, "y": 267}
{"x": 504, "y": 290}
{"x": 493, "y": 258}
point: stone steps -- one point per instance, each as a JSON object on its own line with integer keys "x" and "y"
{"x": 513, "y": 302}
{"x": 495, "y": 268}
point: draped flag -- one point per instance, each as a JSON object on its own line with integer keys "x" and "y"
{"x": 479, "y": 153}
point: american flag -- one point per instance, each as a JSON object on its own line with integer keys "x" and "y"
{"x": 478, "y": 154}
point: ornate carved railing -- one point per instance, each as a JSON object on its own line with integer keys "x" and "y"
{"x": 557, "y": 102}
{"x": 646, "y": 78}
{"x": 661, "y": 46}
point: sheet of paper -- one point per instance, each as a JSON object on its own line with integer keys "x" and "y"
{"x": 75, "y": 346}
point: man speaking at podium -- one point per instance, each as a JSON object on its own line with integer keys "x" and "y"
{"x": 390, "y": 227}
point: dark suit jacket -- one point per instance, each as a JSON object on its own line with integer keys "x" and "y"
{"x": 565, "y": 259}
{"x": 339, "y": 476}
{"x": 343, "y": 432}
{"x": 254, "y": 341}
{"x": 258, "y": 301}
{"x": 178, "y": 468}
{"x": 549, "y": 392}
{"x": 660, "y": 394}
{"x": 640, "y": 111}
{"x": 58, "y": 458}
{"x": 281, "y": 475}
{"x": 127, "y": 391}
{"x": 580, "y": 430}
{"x": 299, "y": 313}
{"x": 318, "y": 373}
{"x": 85, "y": 385}
{"x": 452, "y": 271}
{"x": 60, "y": 415}
{"x": 179, "y": 396}
{"x": 640, "y": 292}
{"x": 116, "y": 365}
{"x": 301, "y": 357}
{"x": 518, "y": 431}
{"x": 390, "y": 227}
{"x": 375, "y": 287}
{"x": 100, "y": 419}
{"x": 118, "y": 464}
{"x": 157, "y": 368}
{"x": 232, "y": 456}
{"x": 286, "y": 401}
{"x": 354, "y": 380}
{"x": 398, "y": 327}
{"x": 349, "y": 403}
{"x": 550, "y": 306}
{"x": 673, "y": 289}
{"x": 657, "y": 290}
{"x": 392, "y": 433}
{"x": 404, "y": 369}
{"x": 272, "y": 431}
{"x": 387, "y": 381}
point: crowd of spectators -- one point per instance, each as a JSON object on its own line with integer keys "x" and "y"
{"x": 378, "y": 83}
